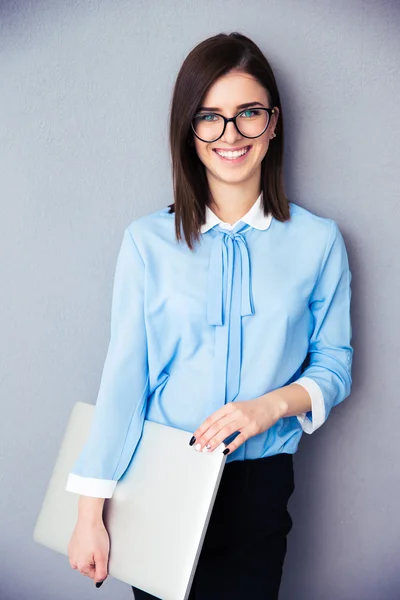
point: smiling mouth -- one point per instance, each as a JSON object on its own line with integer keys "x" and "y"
{"x": 232, "y": 154}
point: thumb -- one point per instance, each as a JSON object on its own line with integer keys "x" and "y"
{"x": 101, "y": 569}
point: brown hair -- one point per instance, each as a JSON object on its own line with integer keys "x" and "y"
{"x": 208, "y": 61}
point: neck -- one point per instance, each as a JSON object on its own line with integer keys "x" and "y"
{"x": 231, "y": 201}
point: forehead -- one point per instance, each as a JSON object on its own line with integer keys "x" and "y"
{"x": 233, "y": 89}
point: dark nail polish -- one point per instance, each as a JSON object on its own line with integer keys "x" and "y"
{"x": 99, "y": 583}
{"x": 226, "y": 451}
{"x": 192, "y": 441}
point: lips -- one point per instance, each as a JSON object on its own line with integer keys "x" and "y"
{"x": 233, "y": 159}
{"x": 231, "y": 149}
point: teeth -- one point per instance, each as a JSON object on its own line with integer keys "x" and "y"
{"x": 232, "y": 154}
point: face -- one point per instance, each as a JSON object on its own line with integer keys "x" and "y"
{"x": 225, "y": 95}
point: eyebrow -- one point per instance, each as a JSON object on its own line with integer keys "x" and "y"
{"x": 215, "y": 108}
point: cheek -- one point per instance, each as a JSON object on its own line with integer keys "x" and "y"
{"x": 201, "y": 150}
{"x": 263, "y": 145}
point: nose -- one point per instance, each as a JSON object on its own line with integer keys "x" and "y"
{"x": 231, "y": 134}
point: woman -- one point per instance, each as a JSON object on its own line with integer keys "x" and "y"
{"x": 230, "y": 319}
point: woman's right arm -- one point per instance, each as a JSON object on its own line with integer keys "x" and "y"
{"x": 118, "y": 416}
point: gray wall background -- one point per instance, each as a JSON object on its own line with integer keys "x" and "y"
{"x": 85, "y": 93}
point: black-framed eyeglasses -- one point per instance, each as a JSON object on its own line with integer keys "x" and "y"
{"x": 210, "y": 126}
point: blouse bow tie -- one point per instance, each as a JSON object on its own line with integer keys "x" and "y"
{"x": 229, "y": 270}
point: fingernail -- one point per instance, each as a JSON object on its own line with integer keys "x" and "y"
{"x": 192, "y": 441}
{"x": 226, "y": 451}
{"x": 197, "y": 447}
{"x": 99, "y": 583}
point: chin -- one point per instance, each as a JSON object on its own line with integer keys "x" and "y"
{"x": 233, "y": 174}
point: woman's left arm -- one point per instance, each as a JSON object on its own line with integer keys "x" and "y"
{"x": 327, "y": 377}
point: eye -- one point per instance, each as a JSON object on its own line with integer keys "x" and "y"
{"x": 208, "y": 117}
{"x": 250, "y": 112}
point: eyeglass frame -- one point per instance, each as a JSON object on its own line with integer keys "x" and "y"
{"x": 270, "y": 111}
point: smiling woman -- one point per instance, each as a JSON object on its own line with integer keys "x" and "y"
{"x": 232, "y": 114}
{"x": 230, "y": 320}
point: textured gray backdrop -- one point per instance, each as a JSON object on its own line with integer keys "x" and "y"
{"x": 85, "y": 93}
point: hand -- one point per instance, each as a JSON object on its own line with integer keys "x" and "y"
{"x": 250, "y": 417}
{"x": 88, "y": 550}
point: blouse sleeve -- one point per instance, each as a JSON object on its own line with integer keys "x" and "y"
{"x": 120, "y": 407}
{"x": 327, "y": 376}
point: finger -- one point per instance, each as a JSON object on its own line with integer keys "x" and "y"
{"x": 218, "y": 432}
{"x": 101, "y": 569}
{"x": 92, "y": 573}
{"x": 238, "y": 441}
{"x": 88, "y": 570}
{"x": 218, "y": 414}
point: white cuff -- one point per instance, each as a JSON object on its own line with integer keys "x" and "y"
{"x": 317, "y": 405}
{"x": 90, "y": 486}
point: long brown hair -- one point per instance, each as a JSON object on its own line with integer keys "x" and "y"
{"x": 208, "y": 61}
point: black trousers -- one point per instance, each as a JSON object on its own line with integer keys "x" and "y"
{"x": 245, "y": 544}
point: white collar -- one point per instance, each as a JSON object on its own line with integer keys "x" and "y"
{"x": 254, "y": 217}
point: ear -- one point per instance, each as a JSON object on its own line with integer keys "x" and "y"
{"x": 275, "y": 116}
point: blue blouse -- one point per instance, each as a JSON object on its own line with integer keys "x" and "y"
{"x": 256, "y": 306}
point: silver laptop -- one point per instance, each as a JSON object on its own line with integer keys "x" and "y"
{"x": 159, "y": 512}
